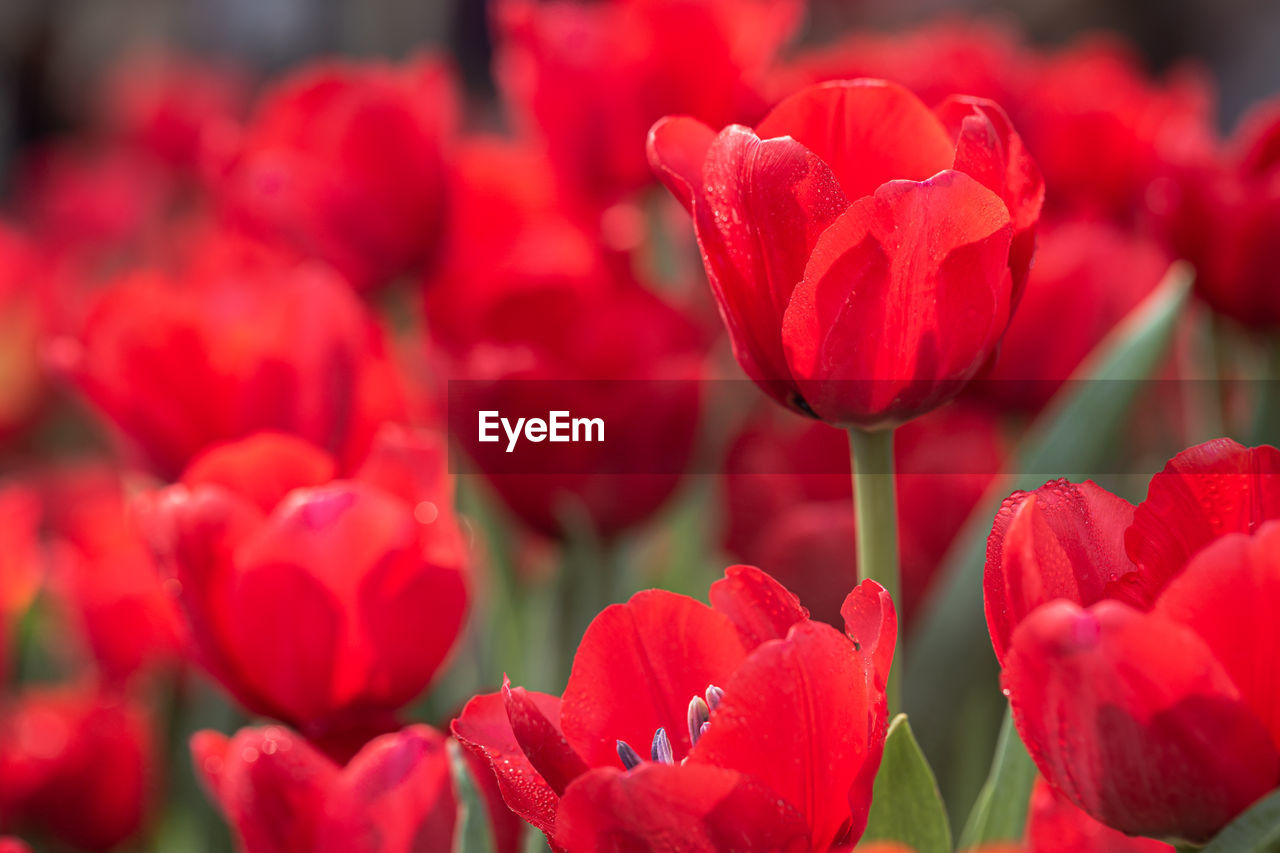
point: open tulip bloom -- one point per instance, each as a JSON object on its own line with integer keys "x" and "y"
{"x": 739, "y": 726}
{"x": 1138, "y": 642}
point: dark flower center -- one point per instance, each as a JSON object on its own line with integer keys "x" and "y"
{"x": 698, "y": 718}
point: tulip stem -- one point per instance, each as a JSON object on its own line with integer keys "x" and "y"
{"x": 876, "y": 515}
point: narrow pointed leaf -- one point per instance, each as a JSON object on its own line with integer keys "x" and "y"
{"x": 905, "y": 804}
{"x": 1000, "y": 814}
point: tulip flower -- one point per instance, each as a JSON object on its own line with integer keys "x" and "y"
{"x": 1055, "y": 825}
{"x": 76, "y": 764}
{"x": 346, "y": 163}
{"x": 588, "y": 79}
{"x": 327, "y": 602}
{"x": 743, "y": 725}
{"x": 1223, "y": 215}
{"x": 282, "y": 795}
{"x": 250, "y": 341}
{"x": 1124, "y": 634}
{"x": 866, "y": 252}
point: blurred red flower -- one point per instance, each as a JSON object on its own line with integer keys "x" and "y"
{"x": 282, "y": 795}
{"x": 1130, "y": 644}
{"x": 271, "y": 544}
{"x": 77, "y": 764}
{"x": 788, "y": 498}
{"x": 588, "y": 79}
{"x": 346, "y": 162}
{"x": 103, "y": 574}
{"x": 168, "y": 104}
{"x": 1088, "y": 275}
{"x": 1223, "y": 217}
{"x": 780, "y": 755}
{"x": 866, "y": 252}
{"x": 232, "y": 344}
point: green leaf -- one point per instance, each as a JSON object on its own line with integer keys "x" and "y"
{"x": 905, "y": 804}
{"x": 472, "y": 833}
{"x": 1000, "y": 814}
{"x": 1255, "y": 831}
{"x": 1072, "y": 437}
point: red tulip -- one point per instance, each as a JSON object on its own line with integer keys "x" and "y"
{"x": 76, "y": 764}
{"x": 248, "y": 343}
{"x": 1223, "y": 216}
{"x": 281, "y": 795}
{"x": 588, "y": 79}
{"x": 1088, "y": 275}
{"x": 268, "y": 547}
{"x": 780, "y": 755}
{"x": 104, "y": 574}
{"x": 1124, "y": 634}
{"x": 346, "y": 162}
{"x": 787, "y": 494}
{"x": 866, "y": 252}
{"x": 13, "y": 845}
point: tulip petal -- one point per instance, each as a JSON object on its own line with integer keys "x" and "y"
{"x": 484, "y": 730}
{"x": 688, "y": 809}
{"x": 261, "y": 469}
{"x": 396, "y": 794}
{"x": 868, "y": 131}
{"x": 1062, "y": 540}
{"x": 1055, "y": 825}
{"x": 636, "y": 669}
{"x": 989, "y": 149}
{"x": 759, "y": 607}
{"x": 535, "y": 721}
{"x": 805, "y": 717}
{"x": 1204, "y": 492}
{"x": 270, "y": 784}
{"x": 677, "y": 148}
{"x": 1229, "y": 594}
{"x": 1130, "y": 716}
{"x": 904, "y": 298}
{"x": 871, "y": 622}
{"x": 758, "y": 212}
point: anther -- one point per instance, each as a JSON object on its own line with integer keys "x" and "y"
{"x": 661, "y": 749}
{"x": 698, "y": 716}
{"x": 714, "y": 695}
{"x": 629, "y": 757}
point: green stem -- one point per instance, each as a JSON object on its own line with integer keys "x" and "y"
{"x": 876, "y": 515}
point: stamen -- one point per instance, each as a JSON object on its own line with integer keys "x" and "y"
{"x": 714, "y": 695}
{"x": 698, "y": 715}
{"x": 629, "y": 757}
{"x": 661, "y": 749}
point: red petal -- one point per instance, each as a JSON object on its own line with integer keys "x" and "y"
{"x": 989, "y": 149}
{"x": 1229, "y": 594}
{"x": 903, "y": 300}
{"x": 261, "y": 469}
{"x": 1055, "y": 825}
{"x": 1204, "y": 492}
{"x": 867, "y": 131}
{"x": 805, "y": 717}
{"x": 758, "y": 211}
{"x": 636, "y": 669}
{"x": 535, "y": 721}
{"x": 1130, "y": 716}
{"x": 484, "y": 729}
{"x": 270, "y": 784}
{"x": 871, "y": 622}
{"x": 688, "y": 809}
{"x": 677, "y": 148}
{"x": 1061, "y": 541}
{"x": 395, "y": 795}
{"x": 760, "y": 607}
